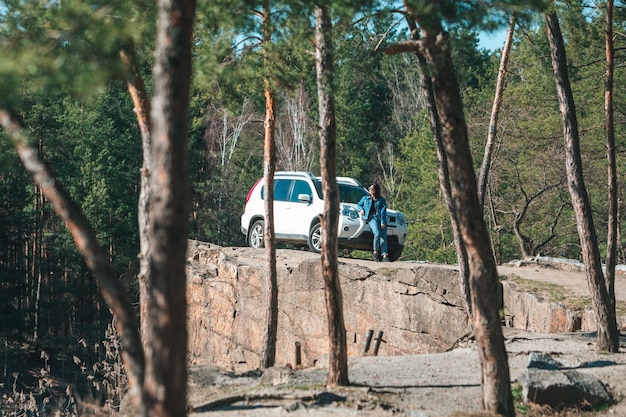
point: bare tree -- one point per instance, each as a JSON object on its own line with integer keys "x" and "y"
{"x": 528, "y": 246}
{"x": 230, "y": 132}
{"x": 483, "y": 177}
{"x": 223, "y": 129}
{"x": 338, "y": 351}
{"x": 408, "y": 96}
{"x": 295, "y": 140}
{"x": 222, "y": 132}
{"x": 387, "y": 164}
{"x": 607, "y": 334}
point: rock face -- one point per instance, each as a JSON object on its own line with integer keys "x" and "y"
{"x": 532, "y": 311}
{"x": 529, "y": 311}
{"x": 418, "y": 309}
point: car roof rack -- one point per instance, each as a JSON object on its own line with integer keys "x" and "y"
{"x": 348, "y": 180}
{"x": 294, "y": 174}
{"x": 344, "y": 180}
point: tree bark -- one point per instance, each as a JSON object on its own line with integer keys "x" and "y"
{"x": 613, "y": 217}
{"x": 338, "y": 351}
{"x": 607, "y": 334}
{"x": 483, "y": 277}
{"x": 166, "y": 354}
{"x": 442, "y": 168}
{"x": 268, "y": 353}
{"x": 142, "y": 108}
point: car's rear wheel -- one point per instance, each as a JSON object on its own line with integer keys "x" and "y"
{"x": 315, "y": 238}
{"x": 256, "y": 234}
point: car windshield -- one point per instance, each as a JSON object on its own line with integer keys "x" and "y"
{"x": 347, "y": 193}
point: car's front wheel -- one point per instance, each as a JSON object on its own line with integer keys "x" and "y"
{"x": 256, "y": 234}
{"x": 395, "y": 252}
{"x": 315, "y": 238}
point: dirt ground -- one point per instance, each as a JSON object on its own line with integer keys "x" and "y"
{"x": 429, "y": 385}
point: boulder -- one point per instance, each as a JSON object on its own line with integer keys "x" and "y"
{"x": 548, "y": 382}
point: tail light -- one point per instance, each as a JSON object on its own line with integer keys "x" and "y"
{"x": 252, "y": 189}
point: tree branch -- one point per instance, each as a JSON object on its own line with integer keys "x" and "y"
{"x": 403, "y": 46}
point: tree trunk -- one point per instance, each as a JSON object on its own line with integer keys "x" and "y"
{"x": 268, "y": 353}
{"x": 36, "y": 309}
{"x": 483, "y": 277}
{"x": 36, "y": 273}
{"x": 613, "y": 217}
{"x": 442, "y": 169}
{"x": 166, "y": 356}
{"x": 483, "y": 177}
{"x": 338, "y": 351}
{"x": 607, "y": 334}
{"x": 138, "y": 94}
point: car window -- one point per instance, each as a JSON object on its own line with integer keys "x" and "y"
{"x": 318, "y": 188}
{"x": 300, "y": 187}
{"x": 347, "y": 193}
{"x": 351, "y": 194}
{"x": 281, "y": 190}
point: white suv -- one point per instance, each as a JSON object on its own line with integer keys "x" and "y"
{"x": 297, "y": 205}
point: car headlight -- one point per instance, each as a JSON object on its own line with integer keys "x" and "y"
{"x": 350, "y": 212}
{"x": 400, "y": 219}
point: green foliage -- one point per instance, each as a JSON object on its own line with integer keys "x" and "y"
{"x": 362, "y": 102}
{"x": 430, "y": 236}
{"x": 73, "y": 43}
{"x": 472, "y": 63}
{"x": 473, "y": 14}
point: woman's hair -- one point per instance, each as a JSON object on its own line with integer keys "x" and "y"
{"x": 376, "y": 189}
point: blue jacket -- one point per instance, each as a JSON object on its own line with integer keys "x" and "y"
{"x": 380, "y": 205}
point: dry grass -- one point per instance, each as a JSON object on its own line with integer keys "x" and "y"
{"x": 551, "y": 292}
{"x": 560, "y": 294}
{"x": 38, "y": 383}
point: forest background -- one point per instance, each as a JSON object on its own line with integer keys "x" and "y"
{"x": 72, "y": 97}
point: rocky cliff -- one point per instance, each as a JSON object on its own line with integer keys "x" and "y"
{"x": 416, "y": 307}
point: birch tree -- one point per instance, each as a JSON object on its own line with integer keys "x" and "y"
{"x": 295, "y": 141}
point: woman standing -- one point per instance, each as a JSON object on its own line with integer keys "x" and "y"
{"x": 373, "y": 209}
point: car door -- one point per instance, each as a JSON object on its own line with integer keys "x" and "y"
{"x": 300, "y": 211}
{"x": 282, "y": 188}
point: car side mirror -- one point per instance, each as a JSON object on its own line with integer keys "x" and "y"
{"x": 304, "y": 198}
